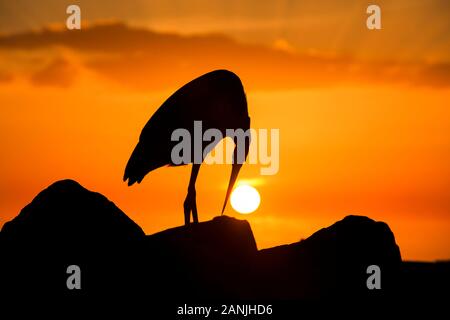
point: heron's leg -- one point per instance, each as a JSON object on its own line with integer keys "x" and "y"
{"x": 190, "y": 204}
{"x": 187, "y": 214}
{"x": 194, "y": 210}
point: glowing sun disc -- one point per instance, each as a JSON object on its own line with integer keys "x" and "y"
{"x": 245, "y": 199}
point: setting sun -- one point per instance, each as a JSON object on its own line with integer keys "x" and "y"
{"x": 245, "y": 199}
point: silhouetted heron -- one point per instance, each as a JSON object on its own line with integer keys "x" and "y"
{"x": 218, "y": 100}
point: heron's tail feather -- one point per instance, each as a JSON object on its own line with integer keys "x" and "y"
{"x": 135, "y": 169}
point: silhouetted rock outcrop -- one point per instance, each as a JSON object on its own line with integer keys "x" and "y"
{"x": 67, "y": 212}
{"x": 211, "y": 260}
{"x": 333, "y": 262}
{"x": 215, "y": 260}
{"x": 65, "y": 225}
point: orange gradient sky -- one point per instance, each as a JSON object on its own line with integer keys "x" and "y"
{"x": 364, "y": 116}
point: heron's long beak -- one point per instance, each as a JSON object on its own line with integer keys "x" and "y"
{"x": 236, "y": 167}
{"x": 234, "y": 173}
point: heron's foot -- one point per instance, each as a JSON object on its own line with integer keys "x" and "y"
{"x": 190, "y": 205}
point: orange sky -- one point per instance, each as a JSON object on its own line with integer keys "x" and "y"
{"x": 360, "y": 133}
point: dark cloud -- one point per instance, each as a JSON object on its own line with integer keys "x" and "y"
{"x": 436, "y": 74}
{"x": 59, "y": 73}
{"x": 144, "y": 59}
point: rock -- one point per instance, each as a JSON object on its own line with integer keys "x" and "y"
{"x": 215, "y": 260}
{"x": 225, "y": 235}
{"x": 333, "y": 262}
{"x": 65, "y": 225}
{"x": 211, "y": 259}
{"x": 68, "y": 213}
